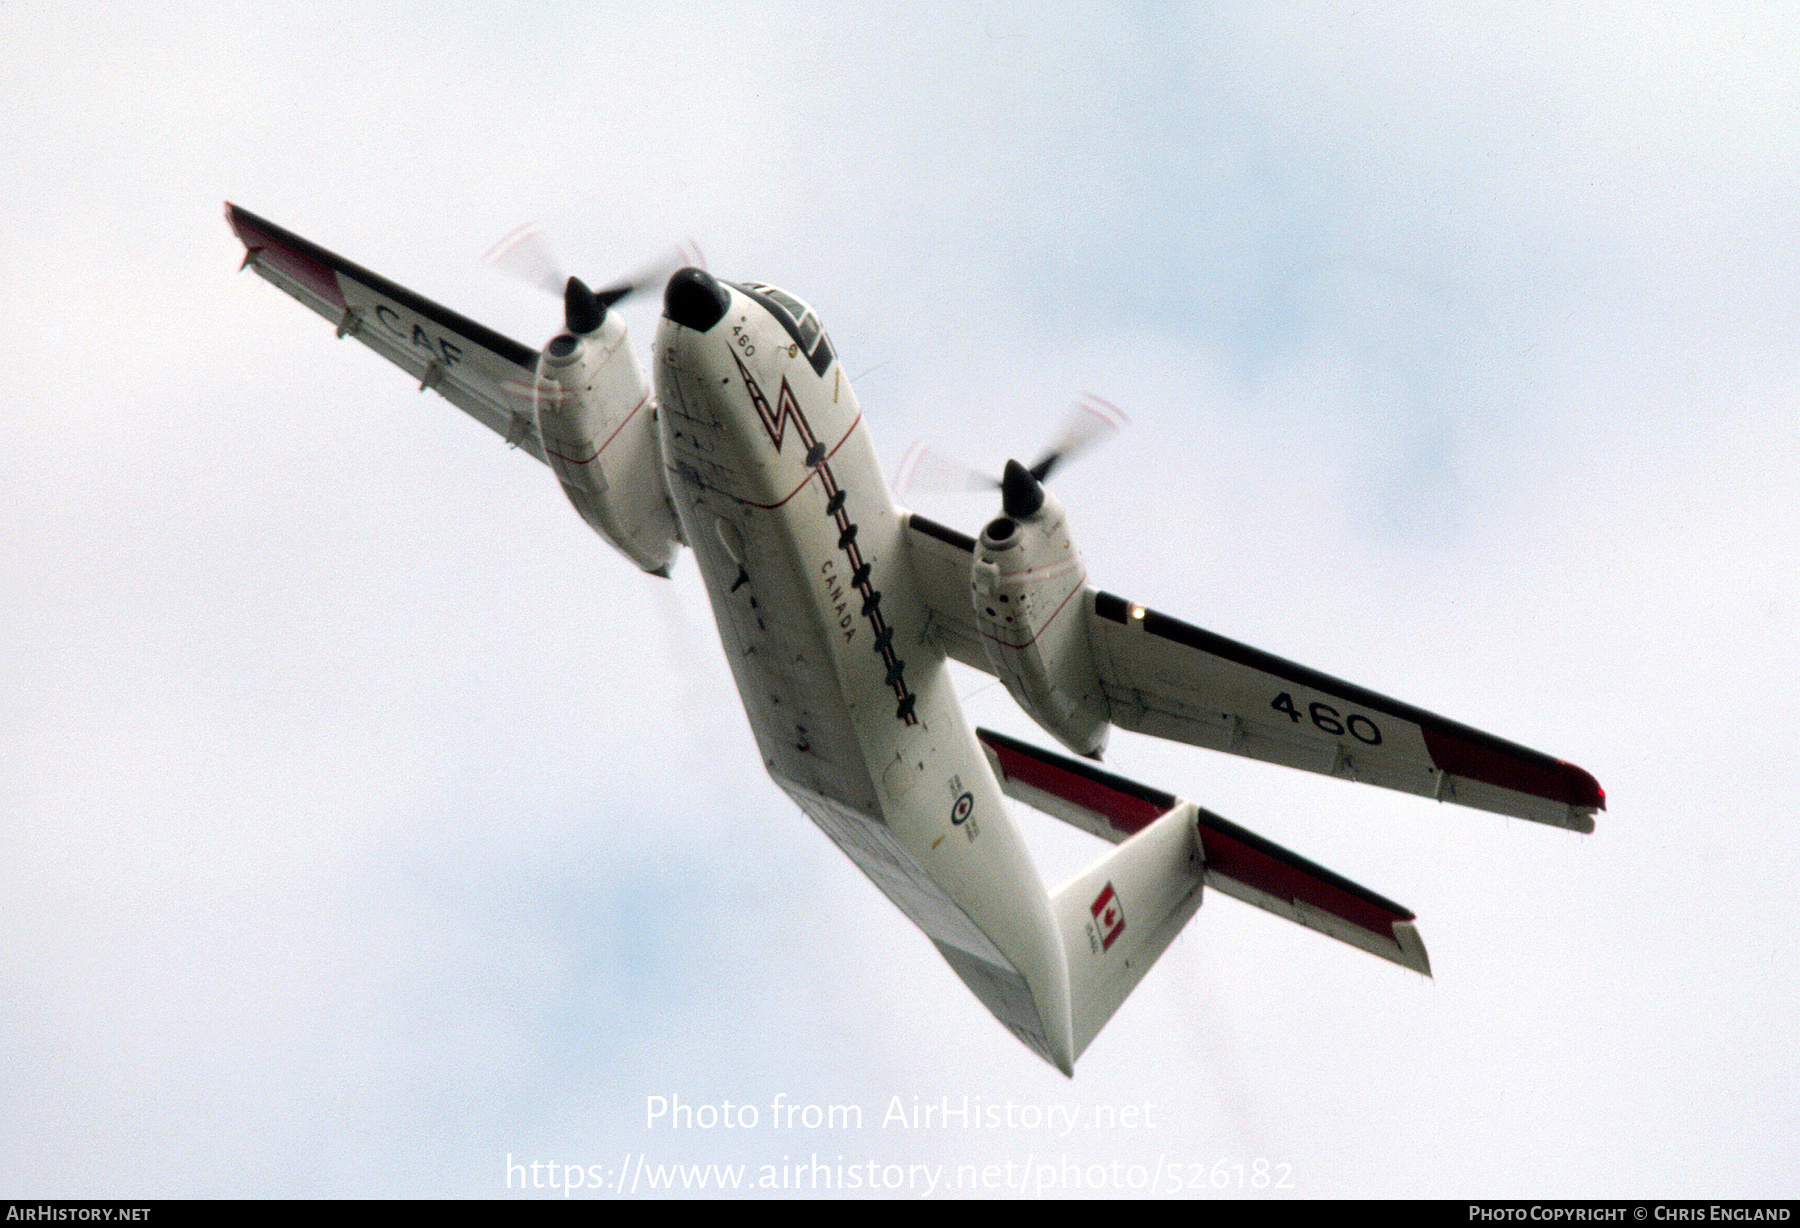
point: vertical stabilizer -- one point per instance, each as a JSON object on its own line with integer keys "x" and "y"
{"x": 1123, "y": 912}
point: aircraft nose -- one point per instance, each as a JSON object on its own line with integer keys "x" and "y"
{"x": 695, "y": 299}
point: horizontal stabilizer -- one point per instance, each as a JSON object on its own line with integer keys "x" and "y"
{"x": 1075, "y": 791}
{"x": 1246, "y": 867}
{"x": 1239, "y": 863}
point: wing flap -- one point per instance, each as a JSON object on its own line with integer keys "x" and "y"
{"x": 488, "y": 376}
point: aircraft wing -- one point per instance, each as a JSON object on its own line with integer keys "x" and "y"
{"x": 1171, "y": 680}
{"x": 488, "y": 376}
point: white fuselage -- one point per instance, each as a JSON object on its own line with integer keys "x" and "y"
{"x": 800, "y": 544}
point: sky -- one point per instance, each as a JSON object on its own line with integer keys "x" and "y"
{"x": 369, "y": 828}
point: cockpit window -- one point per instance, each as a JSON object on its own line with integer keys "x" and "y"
{"x": 795, "y": 316}
{"x": 794, "y": 306}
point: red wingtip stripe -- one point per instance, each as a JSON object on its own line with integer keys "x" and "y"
{"x": 1583, "y": 784}
{"x": 303, "y": 267}
{"x": 1551, "y": 779}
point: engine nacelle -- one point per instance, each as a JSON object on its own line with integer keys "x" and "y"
{"x": 1027, "y": 585}
{"x": 597, "y": 420}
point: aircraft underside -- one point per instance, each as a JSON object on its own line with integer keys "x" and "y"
{"x": 837, "y": 611}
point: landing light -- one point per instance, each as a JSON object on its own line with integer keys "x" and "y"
{"x": 1137, "y": 612}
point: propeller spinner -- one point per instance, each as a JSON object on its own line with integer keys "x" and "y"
{"x": 1021, "y": 490}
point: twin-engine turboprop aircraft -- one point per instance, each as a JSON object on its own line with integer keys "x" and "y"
{"x": 837, "y": 610}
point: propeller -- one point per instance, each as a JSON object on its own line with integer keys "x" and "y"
{"x": 928, "y": 468}
{"x": 1090, "y": 420}
{"x": 526, "y": 255}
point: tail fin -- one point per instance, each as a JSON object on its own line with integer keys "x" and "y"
{"x": 1120, "y": 915}
{"x": 1123, "y": 913}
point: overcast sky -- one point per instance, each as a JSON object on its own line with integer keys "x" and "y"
{"x": 365, "y": 821}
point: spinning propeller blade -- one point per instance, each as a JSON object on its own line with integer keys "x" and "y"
{"x": 1090, "y": 421}
{"x": 526, "y": 254}
{"x": 928, "y": 468}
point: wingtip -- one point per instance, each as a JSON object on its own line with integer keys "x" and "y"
{"x": 234, "y": 220}
{"x": 1412, "y": 948}
{"x": 1583, "y": 789}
